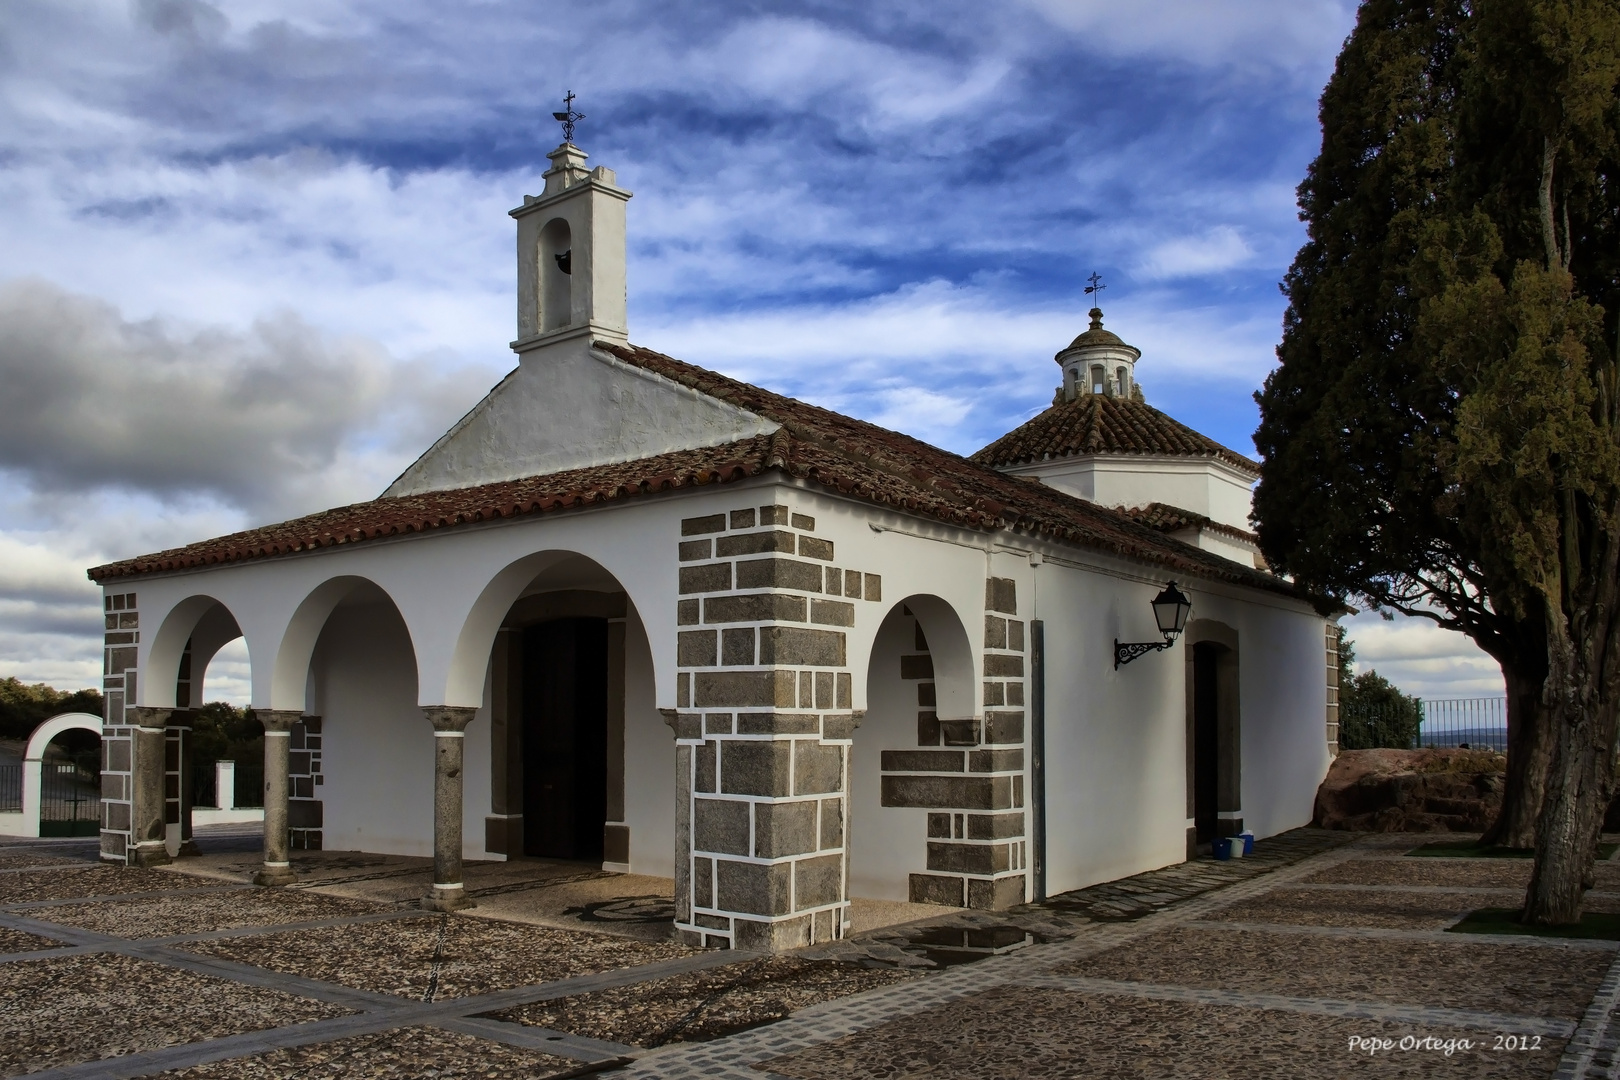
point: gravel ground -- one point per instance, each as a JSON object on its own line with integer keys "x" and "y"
{"x": 1518, "y": 980}
{"x": 1469, "y": 873}
{"x": 1014, "y": 1033}
{"x": 411, "y": 1052}
{"x": 167, "y": 915}
{"x": 705, "y": 1004}
{"x": 439, "y": 956}
{"x": 16, "y": 941}
{"x": 83, "y": 1008}
{"x": 79, "y": 879}
{"x": 1391, "y": 910}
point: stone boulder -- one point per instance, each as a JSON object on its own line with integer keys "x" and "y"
{"x": 1411, "y": 791}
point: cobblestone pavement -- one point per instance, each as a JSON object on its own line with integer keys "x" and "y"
{"x": 1323, "y": 955}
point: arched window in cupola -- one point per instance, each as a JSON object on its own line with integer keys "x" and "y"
{"x": 556, "y": 275}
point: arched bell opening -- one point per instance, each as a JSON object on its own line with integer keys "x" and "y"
{"x": 556, "y": 275}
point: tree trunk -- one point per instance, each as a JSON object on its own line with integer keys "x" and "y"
{"x": 1529, "y": 749}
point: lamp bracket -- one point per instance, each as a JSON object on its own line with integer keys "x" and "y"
{"x": 1126, "y": 651}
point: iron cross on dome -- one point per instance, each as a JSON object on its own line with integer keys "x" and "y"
{"x": 568, "y": 117}
{"x": 1096, "y": 287}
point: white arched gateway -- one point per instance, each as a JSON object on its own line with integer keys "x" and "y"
{"x": 25, "y": 821}
{"x": 632, "y": 612}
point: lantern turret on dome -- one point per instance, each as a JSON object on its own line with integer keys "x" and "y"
{"x": 1098, "y": 362}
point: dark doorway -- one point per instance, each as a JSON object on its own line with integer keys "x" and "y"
{"x": 565, "y": 692}
{"x": 1206, "y": 742}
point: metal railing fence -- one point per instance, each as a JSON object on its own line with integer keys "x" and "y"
{"x": 1437, "y": 723}
{"x": 11, "y": 789}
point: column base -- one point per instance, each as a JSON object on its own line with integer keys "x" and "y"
{"x": 275, "y": 875}
{"x": 190, "y": 847}
{"x": 149, "y": 853}
{"x": 439, "y": 899}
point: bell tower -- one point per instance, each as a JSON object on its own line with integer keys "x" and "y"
{"x": 570, "y": 251}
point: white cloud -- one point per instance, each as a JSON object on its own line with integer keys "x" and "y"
{"x": 1220, "y": 248}
{"x": 1423, "y": 659}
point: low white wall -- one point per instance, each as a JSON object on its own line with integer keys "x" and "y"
{"x": 208, "y": 815}
{"x": 15, "y": 823}
{"x": 649, "y": 761}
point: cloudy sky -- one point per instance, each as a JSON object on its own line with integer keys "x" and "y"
{"x": 254, "y": 257}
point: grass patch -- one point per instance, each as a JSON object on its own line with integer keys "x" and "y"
{"x": 1464, "y": 849}
{"x": 1598, "y": 925}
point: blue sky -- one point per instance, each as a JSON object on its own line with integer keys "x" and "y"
{"x": 254, "y": 257}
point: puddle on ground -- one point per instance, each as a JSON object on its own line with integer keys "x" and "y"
{"x": 948, "y": 946}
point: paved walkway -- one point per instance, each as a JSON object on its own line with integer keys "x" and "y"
{"x": 1324, "y": 956}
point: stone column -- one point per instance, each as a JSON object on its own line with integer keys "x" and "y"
{"x": 278, "y": 724}
{"x": 149, "y": 738}
{"x": 178, "y": 797}
{"x": 449, "y": 740}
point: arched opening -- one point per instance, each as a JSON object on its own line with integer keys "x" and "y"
{"x": 908, "y": 788}
{"x": 62, "y": 776}
{"x": 1214, "y": 731}
{"x": 556, "y": 275}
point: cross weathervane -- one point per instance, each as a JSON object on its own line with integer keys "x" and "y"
{"x": 568, "y": 118}
{"x": 1096, "y": 287}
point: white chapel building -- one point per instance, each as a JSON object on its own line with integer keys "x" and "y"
{"x": 635, "y": 613}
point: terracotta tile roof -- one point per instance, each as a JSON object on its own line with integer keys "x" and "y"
{"x": 832, "y": 451}
{"x": 1170, "y": 519}
{"x": 1099, "y": 424}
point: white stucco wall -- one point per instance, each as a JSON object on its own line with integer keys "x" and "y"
{"x": 649, "y": 762}
{"x": 1206, "y": 487}
{"x": 566, "y": 407}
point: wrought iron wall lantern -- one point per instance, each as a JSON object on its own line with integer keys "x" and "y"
{"x": 1170, "y": 610}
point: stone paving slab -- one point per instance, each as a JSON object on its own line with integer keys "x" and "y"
{"x": 170, "y": 916}
{"x": 707, "y": 1004}
{"x": 410, "y": 1052}
{"x": 16, "y": 941}
{"x": 432, "y": 957}
{"x": 1494, "y": 977}
{"x": 80, "y": 1008}
{"x": 1384, "y": 909}
{"x": 1472, "y": 873}
{"x": 1018, "y": 1032}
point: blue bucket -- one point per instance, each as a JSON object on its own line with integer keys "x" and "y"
{"x": 1248, "y": 842}
{"x": 1222, "y": 848}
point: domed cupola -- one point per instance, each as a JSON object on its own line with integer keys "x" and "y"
{"x": 1098, "y": 362}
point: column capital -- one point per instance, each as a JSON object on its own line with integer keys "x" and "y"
{"x": 449, "y": 717}
{"x": 147, "y": 716}
{"x": 278, "y": 719}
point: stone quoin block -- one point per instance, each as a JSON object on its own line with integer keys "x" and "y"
{"x": 784, "y": 828}
{"x": 695, "y": 648}
{"x": 927, "y": 728}
{"x": 737, "y": 646}
{"x": 874, "y": 587}
{"x": 703, "y": 882}
{"x": 754, "y": 543}
{"x": 995, "y": 760}
{"x": 933, "y": 792}
{"x": 846, "y": 691}
{"x": 773, "y": 515}
{"x": 934, "y": 889}
{"x": 819, "y": 880}
{"x": 852, "y": 583}
{"x": 939, "y": 826}
{"x": 710, "y": 577}
{"x": 801, "y": 647}
{"x": 838, "y": 726}
{"x": 778, "y": 936}
{"x": 805, "y": 522}
{"x": 120, "y": 659}
{"x": 118, "y": 755}
{"x": 824, "y": 690}
{"x": 704, "y": 766}
{"x": 835, "y": 581}
{"x": 995, "y": 693}
{"x": 963, "y": 731}
{"x": 742, "y": 689}
{"x": 778, "y": 574}
{"x": 754, "y": 607}
{"x": 718, "y": 723}
{"x": 824, "y": 924}
{"x": 918, "y": 666}
{"x": 1004, "y": 727}
{"x": 696, "y": 526}
{"x": 1015, "y": 693}
{"x": 754, "y": 888}
{"x": 994, "y": 826}
{"x": 813, "y": 547}
{"x": 683, "y": 691}
{"x": 117, "y": 816}
{"x": 756, "y": 768}
{"x": 778, "y": 723}
{"x": 807, "y": 689}
{"x": 997, "y": 895}
{"x": 995, "y": 632}
{"x": 693, "y": 550}
{"x": 922, "y": 761}
{"x": 832, "y": 823}
{"x": 925, "y": 695}
{"x": 968, "y": 858}
{"x": 1001, "y": 594}
{"x": 817, "y": 769}
{"x": 1000, "y": 665}
{"x": 713, "y": 922}
{"x": 742, "y": 519}
{"x": 1015, "y": 635}
{"x": 688, "y": 612}
{"x": 720, "y": 825}
{"x": 304, "y": 813}
{"x": 832, "y": 613}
